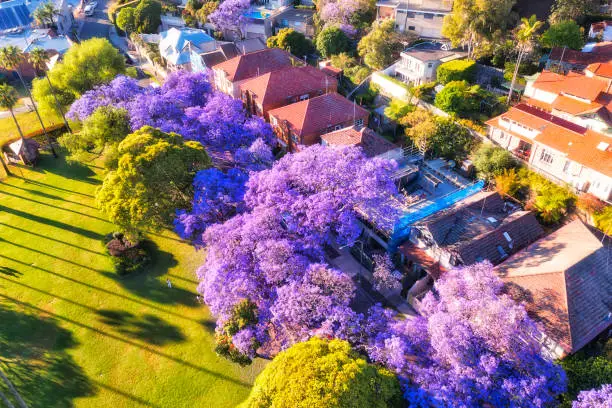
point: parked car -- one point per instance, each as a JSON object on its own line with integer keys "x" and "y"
{"x": 90, "y": 8}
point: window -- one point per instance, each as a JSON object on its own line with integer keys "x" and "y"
{"x": 430, "y": 65}
{"x": 303, "y": 97}
{"x": 411, "y": 28}
{"x": 359, "y": 122}
{"x": 429, "y": 16}
{"x": 546, "y": 157}
{"x": 566, "y": 166}
{"x": 410, "y": 14}
{"x": 337, "y": 127}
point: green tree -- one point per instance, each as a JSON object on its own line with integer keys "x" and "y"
{"x": 490, "y": 161}
{"x": 524, "y": 37}
{"x": 420, "y": 127}
{"x": 207, "y": 8}
{"x": 451, "y": 140}
{"x": 570, "y": 10}
{"x": 11, "y": 59}
{"x": 603, "y": 220}
{"x": 343, "y": 61}
{"x": 148, "y": 16}
{"x": 507, "y": 183}
{"x": 460, "y": 98}
{"x": 107, "y": 126}
{"x": 153, "y": 178}
{"x": 323, "y": 374}
{"x": 473, "y": 23}
{"x": 563, "y": 34}
{"x": 38, "y": 58}
{"x": 45, "y": 13}
{"x": 290, "y": 40}
{"x": 332, "y": 41}
{"x": 584, "y": 373}
{"x": 126, "y": 20}
{"x": 85, "y": 65}
{"x": 381, "y": 46}
{"x": 458, "y": 70}
{"x": 8, "y": 100}
{"x": 398, "y": 109}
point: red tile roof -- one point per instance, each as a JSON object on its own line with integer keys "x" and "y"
{"x": 576, "y": 142}
{"x": 422, "y": 258}
{"x": 318, "y": 114}
{"x": 600, "y": 53}
{"x": 277, "y": 87}
{"x": 371, "y": 143}
{"x": 574, "y": 84}
{"x": 255, "y": 63}
{"x": 564, "y": 281}
{"x": 601, "y": 69}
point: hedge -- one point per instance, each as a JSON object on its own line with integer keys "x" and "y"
{"x": 458, "y": 70}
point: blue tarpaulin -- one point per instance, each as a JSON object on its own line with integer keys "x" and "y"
{"x": 401, "y": 231}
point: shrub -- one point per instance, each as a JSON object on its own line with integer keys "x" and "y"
{"x": 458, "y": 70}
{"x": 459, "y": 97}
{"x": 397, "y": 109}
{"x": 507, "y": 183}
{"x": 128, "y": 257}
{"x": 548, "y": 200}
{"x": 603, "y": 220}
{"x": 332, "y": 41}
{"x": 584, "y": 373}
{"x": 590, "y": 204}
{"x": 425, "y": 91}
{"x": 491, "y": 161}
{"x": 242, "y": 319}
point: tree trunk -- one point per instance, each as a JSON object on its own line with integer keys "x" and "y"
{"x": 37, "y": 113}
{"x": 17, "y": 124}
{"x": 516, "y": 69}
{"x": 59, "y": 106}
{"x": 6, "y": 401}
{"x": 6, "y": 169}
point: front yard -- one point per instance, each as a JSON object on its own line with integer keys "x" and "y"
{"x": 72, "y": 333}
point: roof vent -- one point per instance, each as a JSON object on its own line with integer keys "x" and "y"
{"x": 501, "y": 252}
{"x": 603, "y": 146}
{"x": 492, "y": 220}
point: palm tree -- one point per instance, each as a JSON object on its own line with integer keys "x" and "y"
{"x": 8, "y": 100}
{"x": 39, "y": 58}
{"x": 11, "y": 58}
{"x": 524, "y": 37}
{"x": 45, "y": 13}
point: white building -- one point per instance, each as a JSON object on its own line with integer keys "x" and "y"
{"x": 422, "y": 17}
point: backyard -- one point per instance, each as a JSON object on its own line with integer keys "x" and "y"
{"x": 74, "y": 334}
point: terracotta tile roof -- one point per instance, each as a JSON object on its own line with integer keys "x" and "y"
{"x": 601, "y": 69}
{"x": 419, "y": 256}
{"x": 565, "y": 282}
{"x": 574, "y": 84}
{"x": 255, "y": 63}
{"x": 574, "y": 106}
{"x": 318, "y": 114}
{"x": 277, "y": 87}
{"x": 332, "y": 71}
{"x": 371, "y": 143}
{"x": 600, "y": 53}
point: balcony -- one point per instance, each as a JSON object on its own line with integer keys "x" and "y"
{"x": 522, "y": 154}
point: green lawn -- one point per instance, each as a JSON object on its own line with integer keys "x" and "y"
{"x": 72, "y": 333}
{"x": 28, "y": 121}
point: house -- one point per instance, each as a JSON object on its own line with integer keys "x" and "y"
{"x": 177, "y": 45}
{"x": 565, "y": 282}
{"x": 582, "y": 98}
{"x": 423, "y": 17}
{"x": 14, "y": 16}
{"x": 478, "y": 228}
{"x": 566, "y": 59}
{"x": 419, "y": 64}
{"x": 303, "y": 123}
{"x": 283, "y": 87}
{"x": 370, "y": 142}
{"x": 601, "y": 31}
{"x": 301, "y": 20}
{"x": 229, "y": 74}
{"x": 558, "y": 149}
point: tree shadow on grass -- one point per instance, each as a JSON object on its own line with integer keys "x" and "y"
{"x": 148, "y": 328}
{"x": 5, "y": 270}
{"x": 69, "y": 169}
{"x": 33, "y": 355}
{"x": 150, "y": 285}
{"x": 209, "y": 325}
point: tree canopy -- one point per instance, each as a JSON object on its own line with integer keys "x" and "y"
{"x": 460, "y": 98}
{"x": 126, "y": 19}
{"x": 323, "y": 374}
{"x": 292, "y": 41}
{"x": 491, "y": 161}
{"x": 147, "y": 16}
{"x": 458, "y": 70}
{"x": 570, "y": 10}
{"x": 563, "y": 34}
{"x": 332, "y": 41}
{"x": 84, "y": 66}
{"x": 152, "y": 179}
{"x": 381, "y": 46}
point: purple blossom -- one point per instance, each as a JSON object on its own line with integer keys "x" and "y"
{"x": 385, "y": 277}
{"x": 246, "y": 341}
{"x": 595, "y": 398}
{"x": 229, "y": 16}
{"x": 118, "y": 93}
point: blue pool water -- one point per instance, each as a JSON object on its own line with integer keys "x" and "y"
{"x": 254, "y": 14}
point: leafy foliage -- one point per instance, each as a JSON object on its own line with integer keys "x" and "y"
{"x": 152, "y": 179}
{"x": 128, "y": 257}
{"x": 290, "y": 40}
{"x": 563, "y": 34}
{"x": 348, "y": 15}
{"x": 236, "y": 340}
{"x": 570, "y": 10}
{"x": 451, "y": 140}
{"x": 491, "y": 161}
{"x": 84, "y": 66}
{"x": 506, "y": 183}
{"x": 321, "y": 373}
{"x": 147, "y": 16}
{"x": 472, "y": 346}
{"x": 381, "y": 46}
{"x": 126, "y": 19}
{"x": 460, "y": 98}
{"x": 458, "y": 70}
{"x": 603, "y": 219}
{"x": 398, "y": 109}
{"x": 332, "y": 41}
{"x": 584, "y": 373}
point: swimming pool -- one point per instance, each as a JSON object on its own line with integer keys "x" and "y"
{"x": 255, "y": 14}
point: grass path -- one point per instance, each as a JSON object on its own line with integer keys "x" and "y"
{"x": 73, "y": 334}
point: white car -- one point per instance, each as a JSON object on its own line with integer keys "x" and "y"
{"x": 90, "y": 8}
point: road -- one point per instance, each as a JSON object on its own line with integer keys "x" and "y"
{"x": 97, "y": 25}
